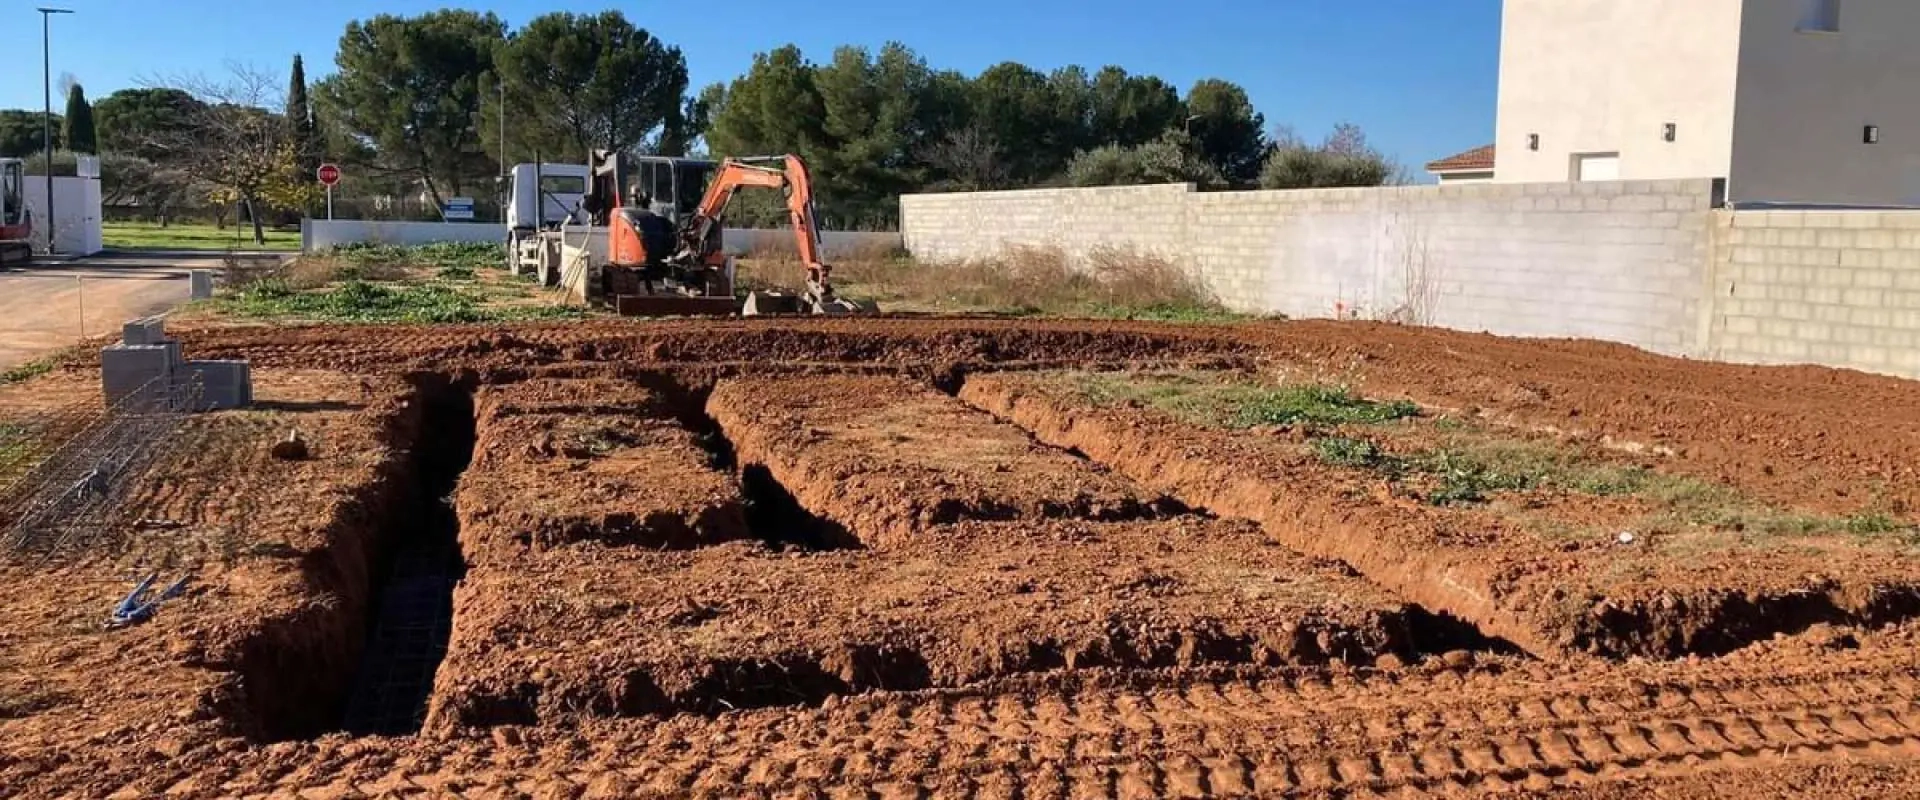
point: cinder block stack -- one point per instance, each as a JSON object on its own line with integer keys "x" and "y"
{"x": 146, "y": 356}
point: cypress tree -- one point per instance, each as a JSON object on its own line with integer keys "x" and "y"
{"x": 77, "y": 129}
{"x": 300, "y": 116}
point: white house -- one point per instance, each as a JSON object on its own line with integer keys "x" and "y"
{"x": 1473, "y": 166}
{"x": 1792, "y": 101}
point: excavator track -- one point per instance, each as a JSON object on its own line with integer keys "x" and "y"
{"x": 13, "y": 254}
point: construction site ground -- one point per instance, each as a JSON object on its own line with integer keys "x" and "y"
{"x": 944, "y": 557}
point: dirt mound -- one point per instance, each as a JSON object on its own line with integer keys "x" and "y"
{"x": 1532, "y": 590}
{"x": 621, "y": 632}
{"x": 558, "y": 462}
{"x": 886, "y": 459}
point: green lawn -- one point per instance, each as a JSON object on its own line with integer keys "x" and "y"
{"x": 148, "y": 236}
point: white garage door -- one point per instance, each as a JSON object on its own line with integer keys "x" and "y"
{"x": 1596, "y": 167}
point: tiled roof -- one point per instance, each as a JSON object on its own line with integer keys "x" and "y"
{"x": 1477, "y": 158}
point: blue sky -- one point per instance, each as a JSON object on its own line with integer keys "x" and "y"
{"x": 1418, "y": 75}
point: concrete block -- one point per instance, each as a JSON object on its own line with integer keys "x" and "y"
{"x": 223, "y": 384}
{"x": 201, "y": 282}
{"x": 1874, "y": 278}
{"x": 145, "y": 330}
{"x": 127, "y": 368}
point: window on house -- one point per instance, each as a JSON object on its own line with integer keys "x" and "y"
{"x": 1821, "y": 16}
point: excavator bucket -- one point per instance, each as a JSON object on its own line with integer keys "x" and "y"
{"x": 773, "y": 302}
{"x": 841, "y": 305}
{"x": 760, "y": 304}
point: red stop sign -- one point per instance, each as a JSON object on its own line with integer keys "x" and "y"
{"x": 328, "y": 174}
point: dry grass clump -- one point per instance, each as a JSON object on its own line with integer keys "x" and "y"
{"x": 1108, "y": 282}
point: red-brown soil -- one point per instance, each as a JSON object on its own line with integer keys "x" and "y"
{"x": 231, "y": 690}
{"x": 887, "y": 458}
{"x": 1543, "y": 595}
{"x": 567, "y": 461}
{"x": 1836, "y": 440}
{"x": 1811, "y": 716}
{"x": 278, "y": 553}
{"x": 621, "y": 632}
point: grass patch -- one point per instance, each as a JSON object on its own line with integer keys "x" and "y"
{"x": 35, "y": 368}
{"x": 364, "y": 301}
{"x": 436, "y": 283}
{"x": 454, "y": 260}
{"x": 150, "y": 236}
{"x": 1206, "y": 401}
{"x": 1470, "y": 470}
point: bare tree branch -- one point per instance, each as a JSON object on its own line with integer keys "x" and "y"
{"x": 233, "y": 139}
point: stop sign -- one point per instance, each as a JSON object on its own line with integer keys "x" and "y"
{"x": 328, "y": 174}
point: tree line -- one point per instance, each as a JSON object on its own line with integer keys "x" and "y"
{"x": 415, "y": 105}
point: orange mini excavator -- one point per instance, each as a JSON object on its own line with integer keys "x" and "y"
{"x": 655, "y": 267}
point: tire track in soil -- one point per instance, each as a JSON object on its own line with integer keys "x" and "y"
{"x": 1274, "y": 735}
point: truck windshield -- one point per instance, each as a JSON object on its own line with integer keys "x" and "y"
{"x": 563, "y": 184}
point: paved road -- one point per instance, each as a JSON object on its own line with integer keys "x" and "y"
{"x": 40, "y": 305}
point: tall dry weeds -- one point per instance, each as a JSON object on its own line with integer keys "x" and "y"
{"x": 1109, "y": 281}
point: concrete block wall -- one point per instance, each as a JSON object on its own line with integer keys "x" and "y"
{"x": 1625, "y": 261}
{"x": 956, "y": 226}
{"x": 1840, "y": 288}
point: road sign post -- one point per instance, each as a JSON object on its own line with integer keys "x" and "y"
{"x": 329, "y": 174}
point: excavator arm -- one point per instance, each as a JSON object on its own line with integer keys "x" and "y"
{"x": 790, "y": 177}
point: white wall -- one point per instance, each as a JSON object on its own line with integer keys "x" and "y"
{"x": 320, "y": 234}
{"x": 1805, "y": 99}
{"x": 317, "y": 235}
{"x": 76, "y": 209}
{"x": 1647, "y": 263}
{"x": 1601, "y": 76}
{"x": 1621, "y": 260}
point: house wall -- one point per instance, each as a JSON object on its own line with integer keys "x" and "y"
{"x": 1602, "y": 76}
{"x": 1464, "y": 177}
{"x": 1805, "y": 99}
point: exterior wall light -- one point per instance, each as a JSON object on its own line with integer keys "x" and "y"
{"x": 1533, "y": 141}
{"x": 1872, "y": 135}
{"x": 1671, "y": 132}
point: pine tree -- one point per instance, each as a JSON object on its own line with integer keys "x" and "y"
{"x": 300, "y": 117}
{"x": 77, "y": 129}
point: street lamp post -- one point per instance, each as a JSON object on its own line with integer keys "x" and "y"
{"x": 46, "y": 118}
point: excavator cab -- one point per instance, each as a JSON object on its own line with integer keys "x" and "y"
{"x": 643, "y": 201}
{"x": 16, "y": 223}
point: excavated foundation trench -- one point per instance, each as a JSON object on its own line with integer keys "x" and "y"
{"x": 412, "y": 610}
{"x": 413, "y": 562}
